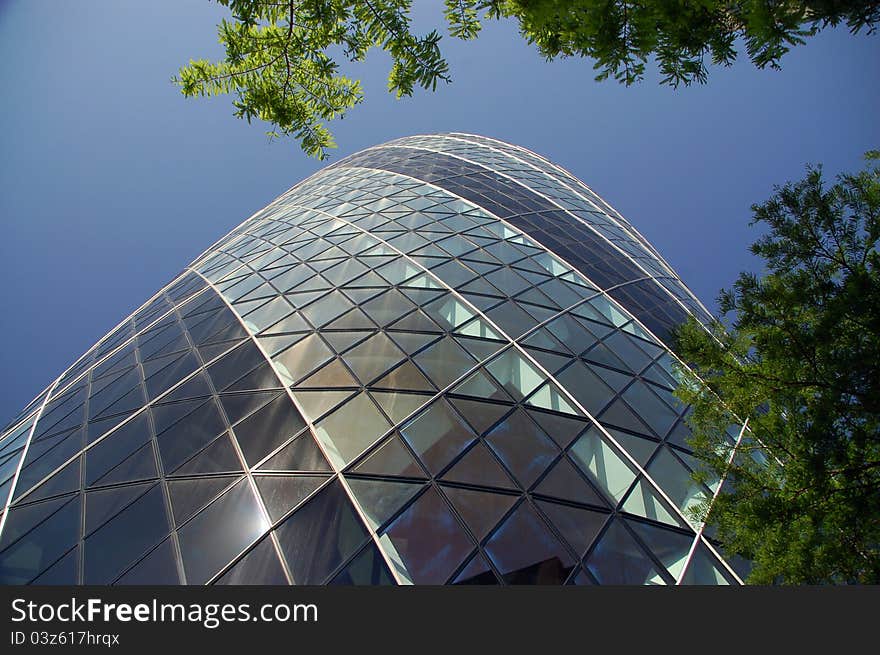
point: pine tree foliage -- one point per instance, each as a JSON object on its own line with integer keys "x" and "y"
{"x": 801, "y": 363}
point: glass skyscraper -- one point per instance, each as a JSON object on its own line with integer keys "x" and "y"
{"x": 440, "y": 360}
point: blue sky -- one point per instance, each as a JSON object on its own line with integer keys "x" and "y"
{"x": 111, "y": 181}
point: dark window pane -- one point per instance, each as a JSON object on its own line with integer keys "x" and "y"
{"x": 618, "y": 559}
{"x": 259, "y": 567}
{"x": 302, "y": 454}
{"x": 437, "y": 435}
{"x": 321, "y": 535}
{"x": 428, "y": 540}
{"x": 391, "y": 458}
{"x": 379, "y": 499}
{"x": 157, "y": 568}
{"x": 188, "y": 435}
{"x": 103, "y": 504}
{"x": 62, "y": 572}
{"x": 525, "y": 552}
{"x": 480, "y": 510}
{"x": 189, "y": 496}
{"x": 267, "y": 428}
{"x": 116, "y": 446}
{"x": 368, "y": 568}
{"x": 281, "y": 493}
{"x": 125, "y": 538}
{"x": 477, "y": 572}
{"x": 577, "y": 526}
{"x": 217, "y": 457}
{"x": 220, "y": 532}
{"x": 523, "y": 447}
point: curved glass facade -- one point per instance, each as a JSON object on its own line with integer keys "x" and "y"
{"x": 440, "y": 360}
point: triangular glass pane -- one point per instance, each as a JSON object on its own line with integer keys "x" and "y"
{"x": 259, "y": 567}
{"x": 444, "y": 362}
{"x": 481, "y": 286}
{"x": 525, "y": 551}
{"x": 549, "y": 397}
{"x": 334, "y": 374}
{"x": 281, "y": 493}
{"x": 421, "y": 296}
{"x": 481, "y": 349}
{"x": 302, "y": 358}
{"x": 477, "y": 572}
{"x": 480, "y": 385}
{"x": 40, "y": 547}
{"x": 565, "y": 483}
{"x": 704, "y": 569}
{"x": 303, "y": 298}
{"x": 23, "y": 519}
{"x": 481, "y": 510}
{"x": 101, "y": 505}
{"x": 267, "y": 428}
{"x": 603, "y": 465}
{"x": 362, "y": 295}
{"x": 321, "y": 535}
{"x": 189, "y": 496}
{"x": 315, "y": 404}
{"x": 373, "y": 357}
{"x": 479, "y": 467}
{"x": 669, "y": 546}
{"x": 541, "y": 338}
{"x": 369, "y": 279}
{"x": 587, "y": 387}
{"x": 515, "y": 373}
{"x": 239, "y": 405}
{"x": 621, "y": 416}
{"x": 613, "y": 379}
{"x": 62, "y": 572}
{"x": 195, "y": 387}
{"x": 411, "y": 342}
{"x": 353, "y": 320}
{"x": 562, "y": 429}
{"x": 388, "y": 307}
{"x": 617, "y": 559}
{"x": 301, "y": 454}
{"x": 643, "y": 501}
{"x": 404, "y": 377}
{"x": 180, "y": 441}
{"x": 480, "y": 415}
{"x": 449, "y": 312}
{"x": 380, "y": 499}
{"x": 220, "y": 532}
{"x": 391, "y": 458}
{"x": 523, "y": 447}
{"x": 293, "y": 323}
{"x": 577, "y": 526}
{"x": 275, "y": 344}
{"x": 64, "y": 481}
{"x": 437, "y": 435}
{"x": 349, "y": 430}
{"x": 550, "y": 361}
{"x": 125, "y": 538}
{"x": 368, "y": 568}
{"x": 411, "y": 541}
{"x": 209, "y": 352}
{"x": 417, "y": 321}
{"x": 342, "y": 341}
{"x": 398, "y": 406}
{"x": 218, "y": 457}
{"x": 640, "y": 449}
{"x": 140, "y": 465}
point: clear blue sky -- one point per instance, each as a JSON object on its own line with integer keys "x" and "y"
{"x": 111, "y": 182}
